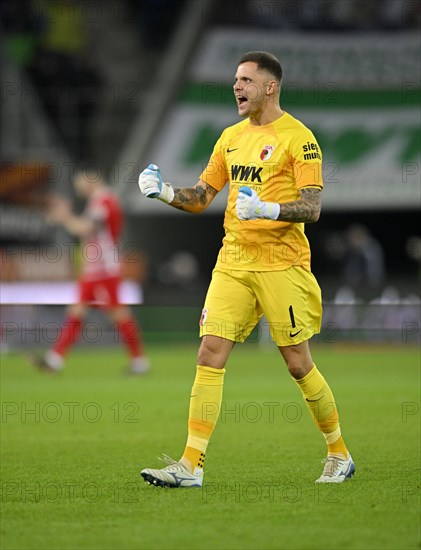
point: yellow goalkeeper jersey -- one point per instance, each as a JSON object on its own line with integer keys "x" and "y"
{"x": 276, "y": 160}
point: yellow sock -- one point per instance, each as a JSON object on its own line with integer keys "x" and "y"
{"x": 205, "y": 404}
{"x": 320, "y": 402}
{"x": 337, "y": 448}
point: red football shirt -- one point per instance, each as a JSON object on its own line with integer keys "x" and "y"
{"x": 100, "y": 250}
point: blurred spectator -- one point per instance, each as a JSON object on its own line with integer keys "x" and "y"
{"x": 60, "y": 70}
{"x": 363, "y": 262}
{"x": 50, "y": 41}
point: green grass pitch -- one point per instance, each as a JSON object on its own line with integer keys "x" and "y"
{"x": 73, "y": 446}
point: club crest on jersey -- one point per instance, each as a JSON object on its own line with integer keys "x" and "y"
{"x": 267, "y": 152}
{"x": 203, "y": 317}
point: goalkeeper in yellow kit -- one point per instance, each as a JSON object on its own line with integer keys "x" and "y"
{"x": 273, "y": 166}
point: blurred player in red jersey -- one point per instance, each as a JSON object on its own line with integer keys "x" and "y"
{"x": 99, "y": 229}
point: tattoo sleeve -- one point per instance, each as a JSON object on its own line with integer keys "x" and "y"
{"x": 193, "y": 199}
{"x": 306, "y": 209}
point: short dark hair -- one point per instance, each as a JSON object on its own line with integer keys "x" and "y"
{"x": 264, "y": 60}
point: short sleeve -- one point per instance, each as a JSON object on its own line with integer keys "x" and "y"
{"x": 306, "y": 158}
{"x": 215, "y": 174}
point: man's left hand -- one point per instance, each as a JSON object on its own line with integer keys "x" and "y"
{"x": 250, "y": 207}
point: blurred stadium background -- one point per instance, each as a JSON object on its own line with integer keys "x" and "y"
{"x": 123, "y": 83}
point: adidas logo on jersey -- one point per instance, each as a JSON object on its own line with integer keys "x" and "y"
{"x": 246, "y": 173}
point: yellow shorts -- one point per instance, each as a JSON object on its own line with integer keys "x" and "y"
{"x": 290, "y": 300}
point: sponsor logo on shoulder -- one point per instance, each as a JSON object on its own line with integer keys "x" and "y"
{"x": 311, "y": 151}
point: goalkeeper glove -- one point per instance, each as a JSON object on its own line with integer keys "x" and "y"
{"x": 152, "y": 186}
{"x": 250, "y": 207}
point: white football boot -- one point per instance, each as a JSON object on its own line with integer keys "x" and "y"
{"x": 139, "y": 366}
{"x": 337, "y": 469}
{"x": 173, "y": 475}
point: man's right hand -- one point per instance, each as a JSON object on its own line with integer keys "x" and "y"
{"x": 152, "y": 186}
{"x": 150, "y": 182}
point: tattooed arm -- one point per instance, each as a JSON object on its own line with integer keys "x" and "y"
{"x": 306, "y": 209}
{"x": 194, "y": 199}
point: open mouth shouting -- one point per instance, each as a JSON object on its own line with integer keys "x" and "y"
{"x": 242, "y": 101}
